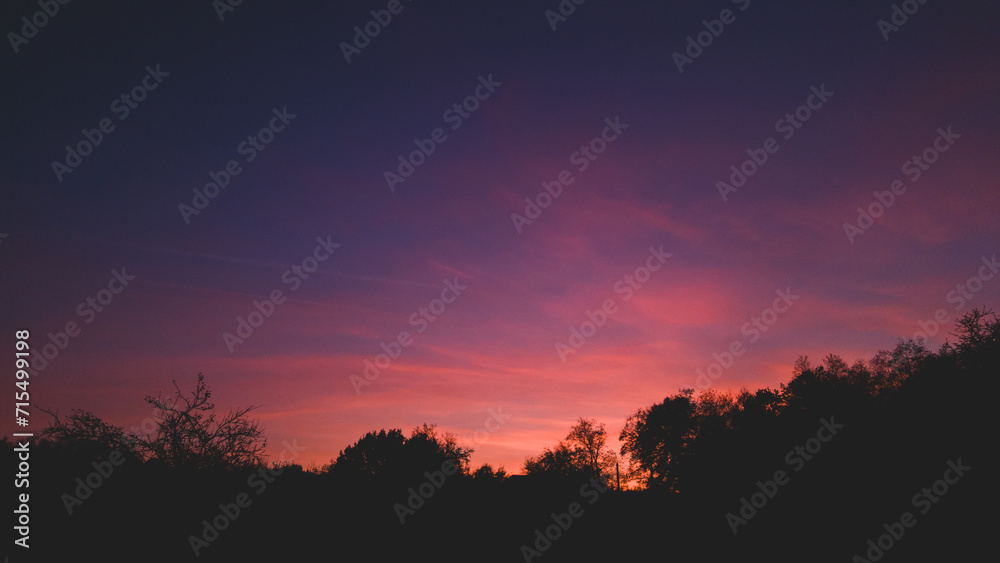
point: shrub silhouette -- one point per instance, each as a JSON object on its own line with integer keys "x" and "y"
{"x": 388, "y": 455}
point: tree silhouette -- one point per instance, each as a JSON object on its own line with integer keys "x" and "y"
{"x": 190, "y": 436}
{"x": 372, "y": 455}
{"x": 888, "y": 369}
{"x": 754, "y": 410}
{"x": 86, "y": 434}
{"x": 558, "y": 462}
{"x": 589, "y": 438}
{"x": 486, "y": 472}
{"x": 425, "y": 443}
{"x": 978, "y": 333}
{"x": 390, "y": 455}
{"x": 655, "y": 440}
{"x": 713, "y": 449}
{"x": 581, "y": 455}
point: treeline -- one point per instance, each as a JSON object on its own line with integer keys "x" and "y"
{"x": 811, "y": 470}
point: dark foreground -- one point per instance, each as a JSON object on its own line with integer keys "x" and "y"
{"x": 840, "y": 473}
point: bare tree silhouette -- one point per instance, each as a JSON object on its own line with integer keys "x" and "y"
{"x": 190, "y": 436}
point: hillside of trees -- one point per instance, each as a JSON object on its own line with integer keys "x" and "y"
{"x": 880, "y": 460}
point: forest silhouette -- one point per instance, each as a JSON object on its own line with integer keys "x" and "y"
{"x": 816, "y": 470}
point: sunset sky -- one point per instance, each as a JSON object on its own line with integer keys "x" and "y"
{"x": 879, "y": 98}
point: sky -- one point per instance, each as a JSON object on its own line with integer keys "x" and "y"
{"x": 536, "y": 211}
